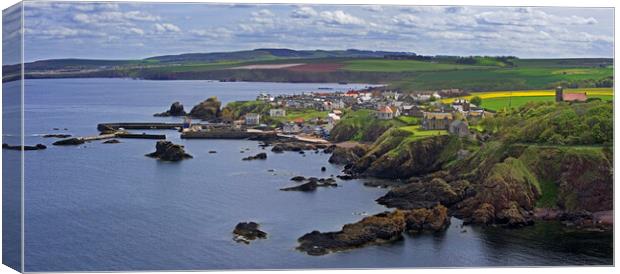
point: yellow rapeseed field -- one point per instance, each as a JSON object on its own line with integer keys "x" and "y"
{"x": 520, "y": 93}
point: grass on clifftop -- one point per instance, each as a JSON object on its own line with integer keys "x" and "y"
{"x": 418, "y": 133}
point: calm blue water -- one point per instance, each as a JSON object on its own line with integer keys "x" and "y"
{"x": 101, "y": 207}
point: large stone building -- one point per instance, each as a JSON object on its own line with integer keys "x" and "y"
{"x": 459, "y": 128}
{"x": 436, "y": 120}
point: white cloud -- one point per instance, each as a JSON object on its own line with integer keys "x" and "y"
{"x": 374, "y": 8}
{"x": 140, "y": 16}
{"x": 304, "y": 12}
{"x": 340, "y": 18}
{"x": 137, "y": 31}
{"x": 263, "y": 12}
{"x": 216, "y": 33}
{"x": 166, "y": 27}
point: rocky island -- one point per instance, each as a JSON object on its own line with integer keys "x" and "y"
{"x": 167, "y": 151}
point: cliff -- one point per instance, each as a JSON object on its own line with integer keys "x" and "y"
{"x": 504, "y": 180}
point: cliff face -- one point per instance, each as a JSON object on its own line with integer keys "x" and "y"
{"x": 581, "y": 176}
{"x": 493, "y": 182}
{"x": 504, "y": 184}
{"x": 395, "y": 155}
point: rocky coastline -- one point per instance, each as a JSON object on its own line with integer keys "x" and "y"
{"x": 381, "y": 228}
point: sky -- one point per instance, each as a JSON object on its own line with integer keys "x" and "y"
{"x": 139, "y": 30}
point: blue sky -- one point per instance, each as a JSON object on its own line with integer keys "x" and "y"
{"x": 139, "y": 30}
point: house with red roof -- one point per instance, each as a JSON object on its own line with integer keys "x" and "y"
{"x": 385, "y": 113}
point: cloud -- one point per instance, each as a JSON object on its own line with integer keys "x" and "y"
{"x": 426, "y": 30}
{"x": 166, "y": 27}
{"x": 530, "y": 17}
{"x": 340, "y": 18}
{"x": 304, "y": 12}
{"x": 263, "y": 12}
{"x": 136, "y": 31}
{"x": 373, "y": 8}
{"x": 215, "y": 33}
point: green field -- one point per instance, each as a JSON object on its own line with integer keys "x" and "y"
{"x": 380, "y": 65}
{"x": 505, "y": 78}
{"x": 419, "y": 133}
{"x": 306, "y": 114}
{"x": 517, "y": 101}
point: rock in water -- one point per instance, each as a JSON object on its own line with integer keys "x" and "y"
{"x": 260, "y": 156}
{"x": 246, "y": 232}
{"x": 298, "y": 178}
{"x": 309, "y": 186}
{"x": 176, "y": 109}
{"x": 380, "y": 228}
{"x": 113, "y": 141}
{"x": 167, "y": 151}
{"x": 35, "y": 147}
{"x": 69, "y": 142}
{"x": 56, "y": 135}
{"x": 207, "y": 110}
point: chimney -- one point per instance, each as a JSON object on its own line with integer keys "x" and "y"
{"x": 559, "y": 94}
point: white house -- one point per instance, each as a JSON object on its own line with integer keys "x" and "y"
{"x": 332, "y": 120}
{"x": 252, "y": 119}
{"x": 385, "y": 113}
{"x": 277, "y": 112}
{"x": 291, "y": 128}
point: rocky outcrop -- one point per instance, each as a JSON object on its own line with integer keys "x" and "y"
{"x": 112, "y": 141}
{"x": 35, "y": 147}
{"x": 347, "y": 155}
{"x": 176, "y": 109}
{"x": 380, "y": 228}
{"x": 248, "y": 231}
{"x": 421, "y": 194}
{"x": 167, "y": 151}
{"x": 56, "y": 135}
{"x": 259, "y": 156}
{"x": 435, "y": 219}
{"x": 377, "y": 229}
{"x": 207, "y": 110}
{"x": 312, "y": 184}
{"x": 279, "y": 147}
{"x": 69, "y": 142}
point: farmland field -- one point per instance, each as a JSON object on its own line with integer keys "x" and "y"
{"x": 495, "y": 78}
{"x": 496, "y": 100}
{"x": 380, "y": 65}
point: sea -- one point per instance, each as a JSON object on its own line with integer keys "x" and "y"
{"x": 107, "y": 207}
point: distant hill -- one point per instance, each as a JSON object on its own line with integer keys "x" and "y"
{"x": 405, "y": 71}
{"x": 271, "y": 54}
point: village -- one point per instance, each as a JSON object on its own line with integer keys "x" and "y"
{"x": 311, "y": 116}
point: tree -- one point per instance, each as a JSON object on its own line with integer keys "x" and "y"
{"x": 476, "y": 100}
